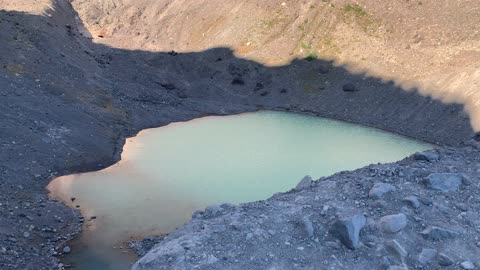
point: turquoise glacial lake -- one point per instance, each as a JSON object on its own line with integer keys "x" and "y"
{"x": 167, "y": 173}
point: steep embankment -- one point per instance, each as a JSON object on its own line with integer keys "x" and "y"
{"x": 66, "y": 105}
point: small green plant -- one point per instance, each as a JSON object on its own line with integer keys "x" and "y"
{"x": 311, "y": 56}
{"x": 306, "y": 46}
{"x": 355, "y": 9}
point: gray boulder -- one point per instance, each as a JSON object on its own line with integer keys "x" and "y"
{"x": 444, "y": 182}
{"x": 393, "y": 223}
{"x": 444, "y": 260}
{"x": 412, "y": 201}
{"x": 379, "y": 189}
{"x": 307, "y": 226}
{"x": 468, "y": 265}
{"x": 426, "y": 255}
{"x": 67, "y": 250}
{"x": 349, "y": 87}
{"x": 348, "y": 230}
{"x": 426, "y": 156}
{"x": 304, "y": 183}
{"x": 437, "y": 234}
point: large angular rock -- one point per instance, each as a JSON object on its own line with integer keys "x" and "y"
{"x": 308, "y": 226}
{"x": 412, "y": 201}
{"x": 437, "y": 234}
{"x": 467, "y": 265}
{"x": 348, "y": 230}
{"x": 393, "y": 223}
{"x": 304, "y": 183}
{"x": 444, "y": 260}
{"x": 379, "y": 189}
{"x": 426, "y": 255}
{"x": 426, "y": 156}
{"x": 444, "y": 182}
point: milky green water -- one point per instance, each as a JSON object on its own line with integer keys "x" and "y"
{"x": 167, "y": 173}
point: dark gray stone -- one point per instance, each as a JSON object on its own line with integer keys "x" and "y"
{"x": 393, "y": 223}
{"x": 444, "y": 182}
{"x": 426, "y": 255}
{"x": 379, "y": 189}
{"x": 412, "y": 201}
{"x": 349, "y": 87}
{"x": 67, "y": 250}
{"x": 437, "y": 234}
{"x": 444, "y": 260}
{"x": 477, "y": 137}
{"x": 238, "y": 81}
{"x": 308, "y": 226}
{"x": 426, "y": 156}
{"x": 348, "y": 230}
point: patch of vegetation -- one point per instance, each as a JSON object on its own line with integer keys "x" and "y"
{"x": 355, "y": 9}
{"x": 303, "y": 25}
{"x": 306, "y": 46}
{"x": 311, "y": 56}
{"x": 277, "y": 18}
{"x": 367, "y": 22}
{"x": 269, "y": 23}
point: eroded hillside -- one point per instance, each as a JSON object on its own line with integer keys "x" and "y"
{"x": 431, "y": 45}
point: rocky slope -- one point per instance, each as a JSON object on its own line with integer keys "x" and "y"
{"x": 429, "y": 45}
{"x": 67, "y": 104}
{"x": 419, "y": 213}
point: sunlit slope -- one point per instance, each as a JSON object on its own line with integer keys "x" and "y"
{"x": 432, "y": 45}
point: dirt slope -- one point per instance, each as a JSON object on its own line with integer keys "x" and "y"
{"x": 432, "y": 45}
